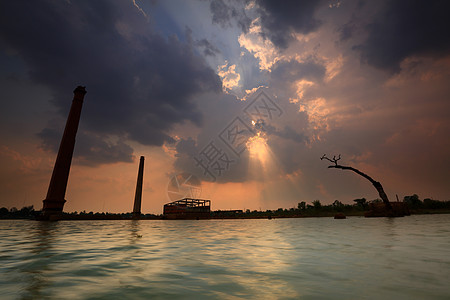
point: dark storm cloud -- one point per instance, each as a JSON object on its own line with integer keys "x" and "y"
{"x": 208, "y": 48}
{"x": 91, "y": 149}
{"x": 186, "y": 147}
{"x": 50, "y": 139}
{"x": 405, "y": 28}
{"x": 292, "y": 70}
{"x": 287, "y": 133}
{"x": 224, "y": 11}
{"x": 280, "y": 20}
{"x": 346, "y": 31}
{"x": 221, "y": 12}
{"x": 186, "y": 150}
{"x": 139, "y": 83}
{"x": 96, "y": 151}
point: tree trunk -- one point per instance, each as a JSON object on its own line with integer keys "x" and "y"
{"x": 376, "y": 184}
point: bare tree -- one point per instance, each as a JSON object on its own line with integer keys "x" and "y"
{"x": 376, "y": 184}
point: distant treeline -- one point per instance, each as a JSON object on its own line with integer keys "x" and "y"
{"x": 358, "y": 208}
{"x": 28, "y": 212}
{"x": 316, "y": 208}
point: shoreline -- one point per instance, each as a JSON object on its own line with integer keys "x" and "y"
{"x": 243, "y": 216}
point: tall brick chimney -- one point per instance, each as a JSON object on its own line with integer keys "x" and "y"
{"x": 54, "y": 202}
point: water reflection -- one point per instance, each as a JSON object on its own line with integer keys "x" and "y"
{"x": 246, "y": 260}
{"x": 135, "y": 230}
{"x": 39, "y": 263}
{"x": 44, "y": 235}
{"x": 282, "y": 258}
{"x": 390, "y": 233}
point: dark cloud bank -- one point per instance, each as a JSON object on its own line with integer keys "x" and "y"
{"x": 399, "y": 30}
{"x": 139, "y": 83}
{"x": 279, "y": 20}
{"x": 406, "y": 28}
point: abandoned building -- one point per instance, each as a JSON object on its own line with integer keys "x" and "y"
{"x": 188, "y": 208}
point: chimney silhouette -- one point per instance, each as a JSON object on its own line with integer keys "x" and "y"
{"x": 54, "y": 202}
{"x": 138, "y": 195}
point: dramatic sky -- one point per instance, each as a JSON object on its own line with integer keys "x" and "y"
{"x": 246, "y": 96}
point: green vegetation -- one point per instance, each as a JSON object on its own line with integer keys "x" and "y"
{"x": 428, "y": 205}
{"x": 317, "y": 209}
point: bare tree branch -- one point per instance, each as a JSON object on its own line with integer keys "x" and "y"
{"x": 334, "y": 160}
{"x": 376, "y": 184}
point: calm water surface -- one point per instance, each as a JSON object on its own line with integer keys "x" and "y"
{"x": 314, "y": 258}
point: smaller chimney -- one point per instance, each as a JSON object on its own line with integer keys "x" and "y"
{"x": 138, "y": 195}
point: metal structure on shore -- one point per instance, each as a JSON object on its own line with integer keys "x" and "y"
{"x": 188, "y": 208}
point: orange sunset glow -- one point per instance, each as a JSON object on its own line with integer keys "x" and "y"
{"x": 246, "y": 103}
{"x": 224, "y": 149}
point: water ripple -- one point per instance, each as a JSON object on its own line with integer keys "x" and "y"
{"x": 315, "y": 258}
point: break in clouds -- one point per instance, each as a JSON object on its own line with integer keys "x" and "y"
{"x": 398, "y": 29}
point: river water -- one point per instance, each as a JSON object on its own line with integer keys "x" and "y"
{"x": 311, "y": 258}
